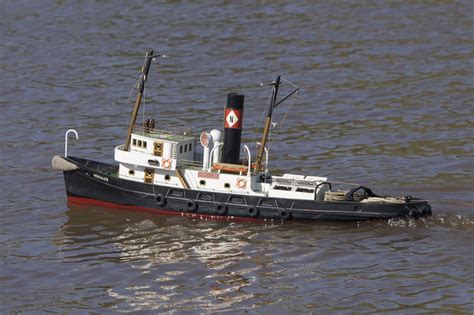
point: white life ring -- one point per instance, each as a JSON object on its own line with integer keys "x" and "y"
{"x": 166, "y": 164}
{"x": 241, "y": 183}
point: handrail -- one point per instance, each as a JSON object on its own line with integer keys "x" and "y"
{"x": 187, "y": 132}
{"x": 190, "y": 163}
{"x": 175, "y": 134}
{"x": 249, "y": 158}
{"x": 65, "y": 139}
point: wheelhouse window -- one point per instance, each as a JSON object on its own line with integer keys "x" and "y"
{"x": 139, "y": 143}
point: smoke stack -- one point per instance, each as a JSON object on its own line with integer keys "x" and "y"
{"x": 233, "y": 118}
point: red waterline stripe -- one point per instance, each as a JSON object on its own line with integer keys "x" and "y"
{"x": 111, "y": 205}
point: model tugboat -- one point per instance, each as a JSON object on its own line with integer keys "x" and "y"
{"x": 162, "y": 172}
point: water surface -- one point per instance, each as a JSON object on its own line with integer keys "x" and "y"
{"x": 386, "y": 101}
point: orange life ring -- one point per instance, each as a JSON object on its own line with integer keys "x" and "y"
{"x": 241, "y": 183}
{"x": 166, "y": 164}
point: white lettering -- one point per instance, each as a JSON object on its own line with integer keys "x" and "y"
{"x": 105, "y": 179}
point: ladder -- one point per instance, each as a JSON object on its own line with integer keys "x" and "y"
{"x": 182, "y": 179}
{"x": 173, "y": 151}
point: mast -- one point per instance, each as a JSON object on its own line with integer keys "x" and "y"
{"x": 141, "y": 87}
{"x": 268, "y": 122}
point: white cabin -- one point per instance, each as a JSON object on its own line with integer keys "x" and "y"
{"x": 155, "y": 155}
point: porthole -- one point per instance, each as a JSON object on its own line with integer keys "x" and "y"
{"x": 227, "y": 185}
{"x": 131, "y": 172}
{"x": 167, "y": 177}
{"x": 202, "y": 182}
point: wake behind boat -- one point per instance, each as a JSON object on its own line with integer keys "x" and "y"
{"x": 161, "y": 171}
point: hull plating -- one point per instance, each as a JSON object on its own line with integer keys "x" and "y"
{"x": 94, "y": 183}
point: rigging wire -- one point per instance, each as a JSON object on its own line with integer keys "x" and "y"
{"x": 131, "y": 91}
{"x": 289, "y": 82}
{"x": 135, "y": 85}
{"x": 284, "y": 117}
{"x": 275, "y": 118}
{"x": 144, "y": 106}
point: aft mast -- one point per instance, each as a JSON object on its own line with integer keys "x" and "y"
{"x": 141, "y": 88}
{"x": 268, "y": 120}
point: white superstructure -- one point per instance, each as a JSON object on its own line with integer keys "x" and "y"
{"x": 166, "y": 158}
{"x": 171, "y": 159}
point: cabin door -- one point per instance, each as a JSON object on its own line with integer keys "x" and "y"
{"x": 149, "y": 175}
{"x": 158, "y": 148}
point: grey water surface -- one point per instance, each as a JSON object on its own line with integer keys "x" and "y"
{"x": 386, "y": 100}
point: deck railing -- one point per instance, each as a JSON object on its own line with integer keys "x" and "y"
{"x": 191, "y": 164}
{"x": 173, "y": 134}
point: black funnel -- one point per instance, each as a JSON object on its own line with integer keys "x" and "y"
{"x": 233, "y": 118}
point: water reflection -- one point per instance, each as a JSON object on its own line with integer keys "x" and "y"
{"x": 386, "y": 98}
{"x": 212, "y": 253}
{"x": 167, "y": 263}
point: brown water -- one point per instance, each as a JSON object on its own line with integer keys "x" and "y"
{"x": 387, "y": 92}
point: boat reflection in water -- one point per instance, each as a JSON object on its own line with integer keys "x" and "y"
{"x": 163, "y": 249}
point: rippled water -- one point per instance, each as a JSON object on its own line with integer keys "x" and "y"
{"x": 386, "y": 101}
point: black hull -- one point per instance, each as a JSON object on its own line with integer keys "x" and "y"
{"x": 96, "y": 183}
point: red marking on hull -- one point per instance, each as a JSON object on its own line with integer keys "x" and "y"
{"x": 94, "y": 202}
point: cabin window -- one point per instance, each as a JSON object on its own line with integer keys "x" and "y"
{"x": 227, "y": 185}
{"x": 144, "y": 144}
{"x": 190, "y": 146}
{"x": 282, "y": 188}
{"x": 131, "y": 172}
{"x": 185, "y": 148}
{"x": 139, "y": 143}
{"x": 202, "y": 182}
{"x": 180, "y": 149}
{"x": 305, "y": 190}
{"x": 134, "y": 142}
{"x": 167, "y": 177}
